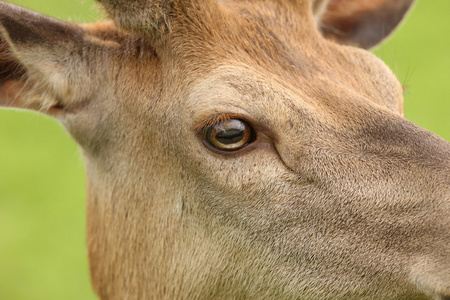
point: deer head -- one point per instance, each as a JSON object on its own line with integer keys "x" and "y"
{"x": 241, "y": 149}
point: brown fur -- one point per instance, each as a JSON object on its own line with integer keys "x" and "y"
{"x": 338, "y": 197}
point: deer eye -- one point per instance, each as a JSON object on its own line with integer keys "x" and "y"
{"x": 229, "y": 135}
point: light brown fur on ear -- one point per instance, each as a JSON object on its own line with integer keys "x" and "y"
{"x": 140, "y": 16}
{"x": 319, "y": 7}
{"x": 152, "y": 18}
{"x": 48, "y": 65}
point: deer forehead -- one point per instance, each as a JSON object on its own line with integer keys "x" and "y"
{"x": 271, "y": 38}
{"x": 322, "y": 82}
{"x": 274, "y": 99}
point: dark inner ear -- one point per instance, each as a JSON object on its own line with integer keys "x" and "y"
{"x": 362, "y": 23}
{"x": 12, "y": 76}
{"x": 10, "y": 68}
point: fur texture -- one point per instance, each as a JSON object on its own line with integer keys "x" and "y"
{"x": 338, "y": 196}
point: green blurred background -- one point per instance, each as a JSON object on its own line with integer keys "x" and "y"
{"x": 42, "y": 195}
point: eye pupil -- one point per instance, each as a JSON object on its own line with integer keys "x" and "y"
{"x": 229, "y": 135}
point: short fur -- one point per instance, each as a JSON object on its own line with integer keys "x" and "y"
{"x": 338, "y": 197}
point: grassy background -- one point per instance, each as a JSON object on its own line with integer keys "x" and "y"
{"x": 42, "y": 219}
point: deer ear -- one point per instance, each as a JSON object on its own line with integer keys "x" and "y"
{"x": 361, "y": 23}
{"x": 38, "y": 59}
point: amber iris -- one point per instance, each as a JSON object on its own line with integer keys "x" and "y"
{"x": 229, "y": 135}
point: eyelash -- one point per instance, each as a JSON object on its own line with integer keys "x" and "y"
{"x": 216, "y": 120}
